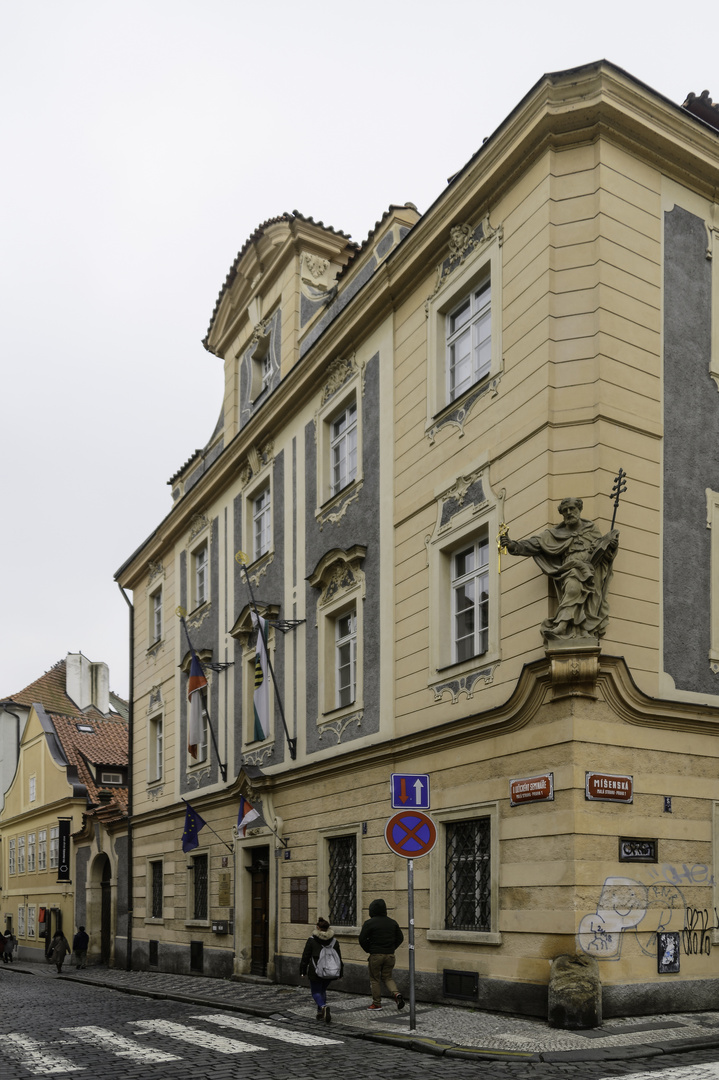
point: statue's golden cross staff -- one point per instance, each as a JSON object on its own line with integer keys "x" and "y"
{"x": 501, "y": 537}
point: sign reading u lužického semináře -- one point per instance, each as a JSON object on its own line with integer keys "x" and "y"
{"x": 531, "y": 789}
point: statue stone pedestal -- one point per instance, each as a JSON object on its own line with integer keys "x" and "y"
{"x": 574, "y": 667}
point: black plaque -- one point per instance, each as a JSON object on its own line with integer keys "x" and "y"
{"x": 667, "y": 952}
{"x": 636, "y": 849}
{"x": 63, "y": 862}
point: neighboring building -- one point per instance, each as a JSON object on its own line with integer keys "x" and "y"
{"x": 63, "y": 828}
{"x": 551, "y": 318}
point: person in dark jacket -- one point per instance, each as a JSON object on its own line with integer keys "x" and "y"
{"x": 379, "y": 937}
{"x": 318, "y": 986}
{"x": 79, "y": 946}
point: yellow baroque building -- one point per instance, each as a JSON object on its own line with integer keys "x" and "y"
{"x": 549, "y": 321}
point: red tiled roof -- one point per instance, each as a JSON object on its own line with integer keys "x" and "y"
{"x": 106, "y": 744}
{"x": 49, "y": 690}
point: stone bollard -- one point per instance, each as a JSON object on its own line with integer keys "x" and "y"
{"x": 575, "y": 993}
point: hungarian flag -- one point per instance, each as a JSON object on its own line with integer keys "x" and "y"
{"x": 193, "y": 824}
{"x": 195, "y": 685}
{"x": 262, "y": 682}
{"x": 246, "y": 815}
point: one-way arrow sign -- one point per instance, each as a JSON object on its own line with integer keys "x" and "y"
{"x": 409, "y": 791}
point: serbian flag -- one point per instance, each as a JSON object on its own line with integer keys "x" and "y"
{"x": 247, "y": 814}
{"x": 262, "y": 682}
{"x": 195, "y": 685}
{"x": 193, "y": 824}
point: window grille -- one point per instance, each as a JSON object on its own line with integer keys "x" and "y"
{"x": 156, "y": 890}
{"x": 468, "y": 875}
{"x": 342, "y": 881}
{"x": 299, "y": 906}
{"x": 199, "y": 864}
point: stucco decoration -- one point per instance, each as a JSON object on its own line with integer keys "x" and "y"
{"x": 258, "y": 757}
{"x": 459, "y": 415}
{"x": 463, "y": 240}
{"x": 155, "y": 700}
{"x": 467, "y": 490}
{"x": 154, "y": 569}
{"x": 245, "y": 474}
{"x": 334, "y": 513}
{"x": 337, "y": 572}
{"x": 266, "y": 453}
{"x": 195, "y": 778}
{"x": 195, "y": 621}
{"x": 466, "y": 684}
{"x": 338, "y": 727}
{"x": 574, "y": 673}
{"x": 198, "y": 522}
{"x": 578, "y": 560}
{"x": 154, "y": 794}
{"x": 260, "y": 567}
{"x": 339, "y": 372}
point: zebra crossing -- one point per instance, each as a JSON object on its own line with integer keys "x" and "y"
{"x": 53, "y": 1057}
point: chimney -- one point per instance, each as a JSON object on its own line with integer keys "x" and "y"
{"x": 87, "y": 683}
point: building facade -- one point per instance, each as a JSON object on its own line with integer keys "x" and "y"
{"x": 63, "y": 826}
{"x": 389, "y": 408}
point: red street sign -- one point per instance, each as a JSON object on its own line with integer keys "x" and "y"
{"x": 410, "y": 834}
{"x": 608, "y": 787}
{"x": 531, "y": 789}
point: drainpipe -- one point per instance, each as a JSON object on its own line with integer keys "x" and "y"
{"x": 130, "y": 733}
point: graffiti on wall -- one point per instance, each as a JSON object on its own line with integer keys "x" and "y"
{"x": 631, "y": 911}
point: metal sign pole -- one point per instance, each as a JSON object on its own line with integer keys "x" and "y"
{"x": 410, "y": 925}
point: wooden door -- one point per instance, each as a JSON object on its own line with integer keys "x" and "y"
{"x": 260, "y": 871}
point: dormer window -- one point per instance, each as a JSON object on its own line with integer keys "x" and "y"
{"x": 110, "y": 778}
{"x": 85, "y": 727}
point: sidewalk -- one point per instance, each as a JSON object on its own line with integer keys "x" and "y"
{"x": 441, "y": 1029}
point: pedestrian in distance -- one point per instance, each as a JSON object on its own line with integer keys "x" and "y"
{"x": 79, "y": 946}
{"x": 322, "y": 962}
{"x": 9, "y": 948}
{"x": 59, "y": 949}
{"x": 380, "y": 936}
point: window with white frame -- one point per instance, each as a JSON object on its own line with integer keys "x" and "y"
{"x": 199, "y": 888}
{"x": 470, "y": 599}
{"x": 261, "y": 523}
{"x": 54, "y": 847}
{"x": 31, "y": 919}
{"x": 21, "y": 854}
{"x": 346, "y": 658}
{"x": 21, "y": 920}
{"x": 11, "y": 863}
{"x": 341, "y": 583}
{"x": 464, "y": 347}
{"x": 156, "y": 616}
{"x": 31, "y": 852}
{"x": 464, "y": 880}
{"x": 155, "y": 748}
{"x": 463, "y": 582}
{"x": 32, "y": 789}
{"x": 343, "y": 448}
{"x": 42, "y": 849}
{"x": 200, "y": 571}
{"x": 469, "y": 340}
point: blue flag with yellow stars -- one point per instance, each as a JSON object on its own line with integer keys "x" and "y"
{"x": 193, "y": 824}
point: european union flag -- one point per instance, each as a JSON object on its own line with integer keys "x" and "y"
{"x": 193, "y": 824}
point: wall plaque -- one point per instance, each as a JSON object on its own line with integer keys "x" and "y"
{"x": 531, "y": 789}
{"x": 223, "y": 890}
{"x": 608, "y": 787}
{"x": 632, "y": 849}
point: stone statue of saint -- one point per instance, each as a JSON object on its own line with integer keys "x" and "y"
{"x": 579, "y": 560}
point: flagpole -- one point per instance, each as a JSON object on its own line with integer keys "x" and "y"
{"x": 273, "y": 831}
{"x": 223, "y": 768}
{"x": 209, "y": 826}
{"x": 291, "y": 743}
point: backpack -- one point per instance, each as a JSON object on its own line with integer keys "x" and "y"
{"x": 327, "y": 965}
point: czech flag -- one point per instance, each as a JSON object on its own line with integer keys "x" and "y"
{"x": 195, "y": 685}
{"x": 247, "y": 814}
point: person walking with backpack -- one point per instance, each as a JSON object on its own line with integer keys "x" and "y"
{"x": 379, "y": 937}
{"x": 322, "y": 962}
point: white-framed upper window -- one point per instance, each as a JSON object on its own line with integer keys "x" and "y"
{"x": 200, "y": 568}
{"x": 464, "y": 346}
{"x": 156, "y": 616}
{"x": 21, "y": 920}
{"x": 11, "y": 864}
{"x": 470, "y": 599}
{"x": 469, "y": 340}
{"x": 343, "y": 448}
{"x": 21, "y": 854}
{"x": 155, "y": 747}
{"x": 31, "y": 853}
{"x": 346, "y": 658}
{"x": 261, "y": 523}
{"x": 54, "y": 847}
{"x": 31, "y": 919}
{"x": 339, "y": 876}
{"x": 32, "y": 788}
{"x": 42, "y": 849}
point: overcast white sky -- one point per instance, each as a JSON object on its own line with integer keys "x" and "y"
{"x": 141, "y": 143}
